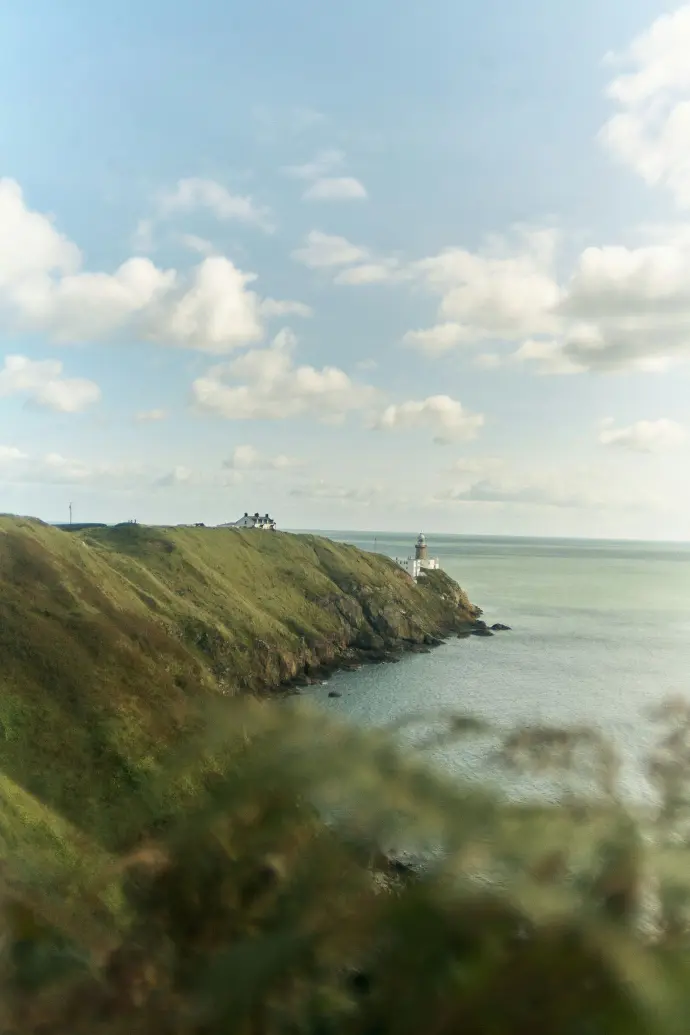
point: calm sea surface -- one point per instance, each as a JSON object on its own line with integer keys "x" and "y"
{"x": 601, "y": 631}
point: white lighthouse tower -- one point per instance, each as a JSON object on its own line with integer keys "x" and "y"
{"x": 421, "y": 562}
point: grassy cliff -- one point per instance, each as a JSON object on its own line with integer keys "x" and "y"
{"x": 109, "y": 637}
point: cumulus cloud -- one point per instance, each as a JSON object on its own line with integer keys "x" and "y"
{"x": 504, "y": 292}
{"x": 323, "y": 250}
{"x": 41, "y": 383}
{"x": 215, "y": 312}
{"x": 267, "y": 384}
{"x": 10, "y": 453}
{"x": 382, "y": 272}
{"x": 621, "y": 308}
{"x": 271, "y": 307}
{"x": 42, "y": 288}
{"x": 435, "y": 340}
{"x": 335, "y": 188}
{"x": 444, "y": 416}
{"x": 324, "y": 163}
{"x": 194, "y": 193}
{"x": 197, "y": 244}
{"x": 247, "y": 458}
{"x": 548, "y": 357}
{"x": 325, "y": 187}
{"x": 651, "y": 130}
{"x": 644, "y": 436}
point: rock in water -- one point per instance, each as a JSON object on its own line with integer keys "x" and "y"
{"x": 334, "y": 693}
{"x": 497, "y": 627}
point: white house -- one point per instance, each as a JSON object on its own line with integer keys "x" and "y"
{"x": 257, "y": 520}
{"x": 421, "y": 562}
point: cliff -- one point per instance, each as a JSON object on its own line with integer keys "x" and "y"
{"x": 110, "y": 638}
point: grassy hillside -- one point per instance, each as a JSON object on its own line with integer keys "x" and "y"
{"x": 109, "y": 638}
{"x": 243, "y": 911}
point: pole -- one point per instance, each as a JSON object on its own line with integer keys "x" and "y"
{"x": 70, "y": 513}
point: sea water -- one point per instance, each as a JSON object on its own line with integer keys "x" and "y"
{"x": 600, "y": 633}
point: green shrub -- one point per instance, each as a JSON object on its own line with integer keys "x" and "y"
{"x": 270, "y": 903}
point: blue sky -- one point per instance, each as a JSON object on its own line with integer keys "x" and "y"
{"x": 376, "y": 265}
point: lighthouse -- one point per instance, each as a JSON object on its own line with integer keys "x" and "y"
{"x": 421, "y": 562}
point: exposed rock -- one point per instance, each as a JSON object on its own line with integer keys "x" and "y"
{"x": 481, "y": 631}
{"x": 334, "y": 693}
{"x": 497, "y": 627}
{"x": 366, "y": 639}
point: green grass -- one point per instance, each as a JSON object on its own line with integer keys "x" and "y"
{"x": 165, "y": 864}
{"x": 110, "y": 638}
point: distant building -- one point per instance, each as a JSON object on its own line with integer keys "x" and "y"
{"x": 421, "y": 562}
{"x": 264, "y": 521}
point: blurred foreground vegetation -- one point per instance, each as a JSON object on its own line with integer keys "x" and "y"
{"x": 274, "y": 900}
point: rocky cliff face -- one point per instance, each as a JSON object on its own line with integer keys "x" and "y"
{"x": 364, "y": 624}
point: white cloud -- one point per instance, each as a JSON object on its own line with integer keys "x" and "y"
{"x": 150, "y": 416}
{"x": 446, "y": 417}
{"x": 266, "y": 384}
{"x": 435, "y": 340}
{"x": 622, "y": 308}
{"x": 323, "y": 250}
{"x": 548, "y": 357}
{"x": 381, "y": 272}
{"x": 215, "y": 313}
{"x": 505, "y": 292}
{"x": 42, "y": 384}
{"x": 197, "y": 244}
{"x": 321, "y": 165}
{"x": 195, "y": 193}
{"x": 322, "y": 186}
{"x": 83, "y": 306}
{"x": 9, "y": 454}
{"x": 335, "y": 188}
{"x": 43, "y": 289}
{"x": 651, "y": 131}
{"x": 271, "y": 307}
{"x": 644, "y": 436}
{"x": 247, "y": 458}
{"x": 29, "y": 242}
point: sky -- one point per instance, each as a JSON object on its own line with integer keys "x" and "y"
{"x": 382, "y": 265}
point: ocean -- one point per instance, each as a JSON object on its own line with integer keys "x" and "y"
{"x": 600, "y": 633}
